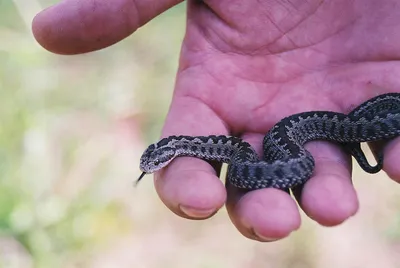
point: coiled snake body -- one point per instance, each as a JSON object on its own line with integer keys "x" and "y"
{"x": 286, "y": 163}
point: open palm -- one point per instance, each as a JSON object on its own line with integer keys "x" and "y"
{"x": 244, "y": 66}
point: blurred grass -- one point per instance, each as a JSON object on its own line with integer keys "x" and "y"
{"x": 71, "y": 133}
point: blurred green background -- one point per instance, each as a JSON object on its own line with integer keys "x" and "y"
{"x": 72, "y": 129}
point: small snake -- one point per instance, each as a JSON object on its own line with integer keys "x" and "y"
{"x": 286, "y": 163}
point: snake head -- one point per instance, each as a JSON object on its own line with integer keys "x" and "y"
{"x": 156, "y": 157}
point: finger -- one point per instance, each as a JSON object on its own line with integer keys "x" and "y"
{"x": 263, "y": 215}
{"x": 189, "y": 186}
{"x": 76, "y": 26}
{"x": 329, "y": 196}
{"x": 390, "y": 151}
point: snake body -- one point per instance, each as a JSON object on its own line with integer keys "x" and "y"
{"x": 286, "y": 163}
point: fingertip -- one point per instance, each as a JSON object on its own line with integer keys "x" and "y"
{"x": 329, "y": 199}
{"x": 39, "y": 29}
{"x": 75, "y": 26}
{"x": 264, "y": 215}
{"x": 190, "y": 188}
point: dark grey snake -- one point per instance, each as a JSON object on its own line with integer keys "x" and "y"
{"x": 286, "y": 162}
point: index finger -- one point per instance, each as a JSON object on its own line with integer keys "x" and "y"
{"x": 190, "y": 187}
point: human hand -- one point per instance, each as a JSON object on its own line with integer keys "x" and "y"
{"x": 244, "y": 66}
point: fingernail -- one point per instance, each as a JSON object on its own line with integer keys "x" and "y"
{"x": 263, "y": 238}
{"x": 195, "y": 212}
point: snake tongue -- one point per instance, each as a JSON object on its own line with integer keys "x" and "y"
{"x": 140, "y": 177}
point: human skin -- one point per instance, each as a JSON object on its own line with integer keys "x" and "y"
{"x": 244, "y": 65}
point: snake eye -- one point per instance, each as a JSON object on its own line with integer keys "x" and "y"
{"x": 156, "y": 162}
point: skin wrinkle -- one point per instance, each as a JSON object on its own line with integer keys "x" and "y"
{"x": 310, "y": 69}
{"x": 262, "y": 105}
{"x": 339, "y": 30}
{"x": 306, "y": 23}
{"x": 333, "y": 81}
{"x": 277, "y": 70}
{"x": 284, "y": 33}
{"x": 213, "y": 43}
{"x": 253, "y": 51}
{"x": 273, "y": 119}
{"x": 201, "y": 30}
{"x": 223, "y": 15}
{"x": 311, "y": 44}
{"x": 240, "y": 73}
{"x": 353, "y": 76}
{"x": 203, "y": 102}
{"x": 271, "y": 20}
{"x": 220, "y": 16}
{"x": 288, "y": 9}
{"x": 200, "y": 105}
{"x": 295, "y": 7}
{"x": 215, "y": 108}
{"x": 193, "y": 61}
{"x": 188, "y": 68}
{"x": 210, "y": 33}
{"x": 323, "y": 175}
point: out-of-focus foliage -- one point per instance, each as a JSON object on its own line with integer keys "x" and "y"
{"x": 72, "y": 129}
{"x": 61, "y": 119}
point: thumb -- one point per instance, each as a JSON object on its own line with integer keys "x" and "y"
{"x": 76, "y": 26}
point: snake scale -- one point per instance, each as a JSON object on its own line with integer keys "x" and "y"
{"x": 286, "y": 163}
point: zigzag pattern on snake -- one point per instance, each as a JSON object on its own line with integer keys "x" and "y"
{"x": 286, "y": 163}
